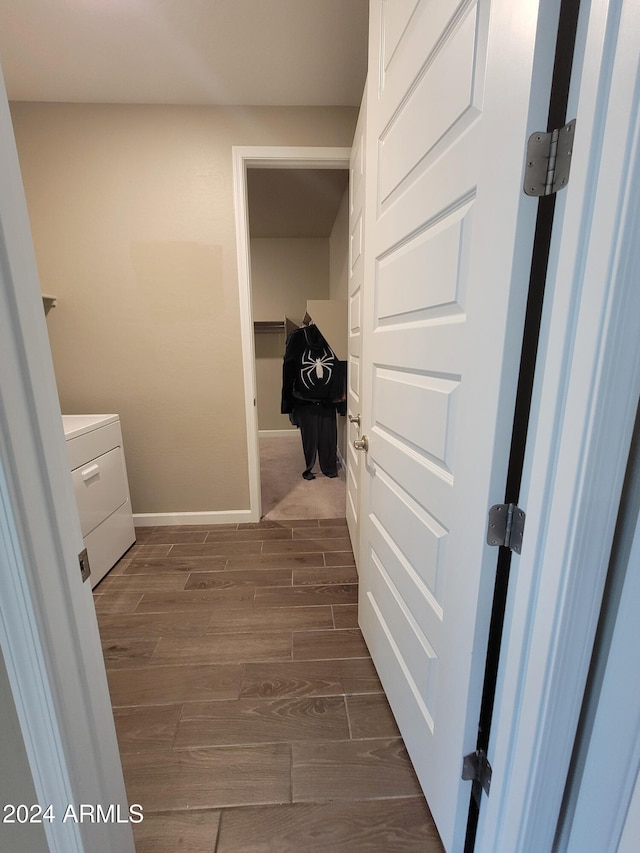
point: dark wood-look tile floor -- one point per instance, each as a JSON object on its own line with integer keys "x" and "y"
{"x": 249, "y": 714}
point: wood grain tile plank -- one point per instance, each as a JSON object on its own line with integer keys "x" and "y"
{"x": 345, "y": 615}
{"x": 189, "y": 831}
{"x": 269, "y": 524}
{"x": 318, "y": 645}
{"x": 150, "y": 625}
{"x": 116, "y": 602}
{"x": 172, "y": 565}
{"x": 195, "y": 599}
{"x": 283, "y": 522}
{"x": 118, "y": 569}
{"x": 171, "y": 536}
{"x": 160, "y": 685}
{"x": 217, "y": 549}
{"x": 177, "y": 528}
{"x": 252, "y": 721}
{"x": 339, "y": 558}
{"x": 128, "y": 652}
{"x": 371, "y": 826}
{"x": 306, "y": 546}
{"x": 324, "y": 532}
{"x": 353, "y": 770}
{"x": 223, "y": 648}
{"x": 333, "y": 522}
{"x": 326, "y": 575}
{"x": 209, "y": 778}
{"x": 240, "y": 577}
{"x": 371, "y": 717}
{"x": 143, "y": 532}
{"x": 310, "y": 678}
{"x": 142, "y": 551}
{"x": 146, "y": 729}
{"x": 274, "y": 561}
{"x": 245, "y": 535}
{"x": 306, "y": 596}
{"x": 270, "y": 619}
{"x": 359, "y": 676}
{"x": 164, "y": 582}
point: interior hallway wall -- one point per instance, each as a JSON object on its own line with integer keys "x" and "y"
{"x": 132, "y": 214}
{"x": 285, "y": 272}
{"x": 339, "y": 252}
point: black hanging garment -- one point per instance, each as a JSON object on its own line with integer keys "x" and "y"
{"x": 313, "y": 390}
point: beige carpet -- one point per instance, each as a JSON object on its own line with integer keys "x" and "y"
{"x": 285, "y": 494}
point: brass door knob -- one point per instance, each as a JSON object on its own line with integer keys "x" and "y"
{"x": 355, "y": 419}
{"x": 361, "y": 443}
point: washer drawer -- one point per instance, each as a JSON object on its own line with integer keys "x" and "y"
{"x": 93, "y": 443}
{"x": 100, "y": 488}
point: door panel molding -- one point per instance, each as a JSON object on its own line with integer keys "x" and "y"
{"x": 448, "y": 239}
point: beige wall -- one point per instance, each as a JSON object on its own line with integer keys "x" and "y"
{"x": 284, "y": 274}
{"x": 339, "y": 252}
{"x": 132, "y": 214}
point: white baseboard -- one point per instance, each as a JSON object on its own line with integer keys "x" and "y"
{"x": 162, "y": 519}
{"x": 276, "y": 433}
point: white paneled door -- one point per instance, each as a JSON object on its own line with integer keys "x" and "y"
{"x": 449, "y": 236}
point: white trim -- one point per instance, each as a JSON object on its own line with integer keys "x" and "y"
{"x": 164, "y": 519}
{"x": 263, "y": 157}
{"x": 48, "y": 626}
{"x": 277, "y": 433}
{"x": 27, "y": 673}
{"x": 584, "y": 408}
{"x": 601, "y": 811}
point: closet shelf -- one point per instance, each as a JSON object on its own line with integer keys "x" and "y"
{"x": 265, "y": 326}
{"x": 272, "y": 326}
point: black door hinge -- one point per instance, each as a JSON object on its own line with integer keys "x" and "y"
{"x": 476, "y": 768}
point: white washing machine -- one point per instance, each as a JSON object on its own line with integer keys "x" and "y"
{"x": 99, "y": 474}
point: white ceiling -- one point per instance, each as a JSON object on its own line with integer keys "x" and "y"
{"x": 220, "y": 52}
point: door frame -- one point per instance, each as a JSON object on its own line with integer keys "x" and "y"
{"x": 263, "y": 157}
{"x": 584, "y": 408}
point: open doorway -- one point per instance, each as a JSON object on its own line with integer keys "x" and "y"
{"x": 292, "y": 218}
{"x": 298, "y": 230}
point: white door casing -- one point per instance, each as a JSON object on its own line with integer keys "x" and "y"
{"x": 585, "y": 403}
{"x": 449, "y": 235}
{"x": 263, "y": 157}
{"x": 356, "y": 278}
